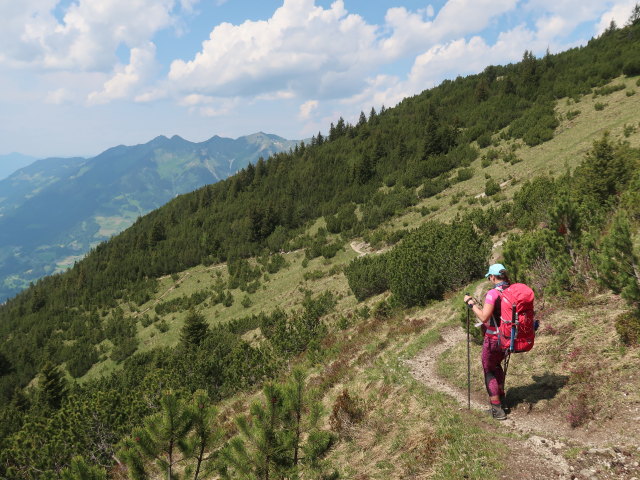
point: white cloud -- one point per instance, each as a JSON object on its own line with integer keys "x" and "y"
{"x": 461, "y": 17}
{"x": 447, "y": 60}
{"x": 128, "y": 78}
{"x": 195, "y": 99}
{"x": 86, "y": 38}
{"x": 302, "y": 48}
{"x": 310, "y": 51}
{"x": 619, "y": 13}
{"x": 187, "y": 5}
{"x": 151, "y": 95}
{"x": 206, "y": 105}
{"x": 307, "y": 108}
{"x": 429, "y": 11}
{"x": 456, "y": 19}
{"x": 59, "y": 96}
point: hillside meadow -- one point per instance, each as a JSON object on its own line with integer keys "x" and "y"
{"x": 304, "y": 318}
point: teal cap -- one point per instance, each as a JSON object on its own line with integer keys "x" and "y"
{"x": 495, "y": 269}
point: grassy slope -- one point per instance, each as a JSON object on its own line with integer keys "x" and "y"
{"x": 410, "y": 431}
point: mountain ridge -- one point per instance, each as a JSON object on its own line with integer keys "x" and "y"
{"x": 61, "y": 207}
{"x": 239, "y": 284}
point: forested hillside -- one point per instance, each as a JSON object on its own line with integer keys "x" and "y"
{"x": 54, "y": 211}
{"x": 147, "y": 332}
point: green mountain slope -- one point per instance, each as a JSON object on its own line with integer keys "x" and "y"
{"x": 54, "y": 211}
{"x": 266, "y": 266}
{"x": 13, "y": 161}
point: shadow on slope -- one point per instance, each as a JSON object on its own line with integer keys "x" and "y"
{"x": 544, "y": 387}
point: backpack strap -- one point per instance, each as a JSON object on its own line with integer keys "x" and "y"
{"x": 493, "y": 324}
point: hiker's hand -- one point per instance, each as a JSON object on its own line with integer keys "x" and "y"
{"x": 467, "y": 298}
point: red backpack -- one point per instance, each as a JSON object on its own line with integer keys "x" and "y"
{"x": 516, "y": 332}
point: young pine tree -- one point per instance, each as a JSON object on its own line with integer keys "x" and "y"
{"x": 302, "y": 412}
{"x": 53, "y": 386}
{"x": 194, "y": 331}
{"x": 159, "y": 440}
{"x": 619, "y": 267}
{"x": 260, "y": 451}
{"x": 281, "y": 436}
{"x": 619, "y": 261}
{"x": 204, "y": 438}
{"x": 81, "y": 470}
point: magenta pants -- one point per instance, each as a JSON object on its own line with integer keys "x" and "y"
{"x": 492, "y": 356}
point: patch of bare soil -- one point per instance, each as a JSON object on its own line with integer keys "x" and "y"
{"x": 363, "y": 248}
{"x": 545, "y": 446}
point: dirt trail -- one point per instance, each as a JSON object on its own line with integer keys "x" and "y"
{"x": 597, "y": 461}
{"x": 423, "y": 367}
{"x": 170, "y": 289}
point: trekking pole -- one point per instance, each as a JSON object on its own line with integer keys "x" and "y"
{"x": 468, "y": 362}
{"x": 506, "y": 367}
{"x": 514, "y": 323}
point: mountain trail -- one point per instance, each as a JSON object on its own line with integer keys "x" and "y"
{"x": 545, "y": 439}
{"x": 170, "y": 289}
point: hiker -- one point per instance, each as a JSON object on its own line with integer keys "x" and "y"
{"x": 492, "y": 353}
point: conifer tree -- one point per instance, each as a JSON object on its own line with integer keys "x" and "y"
{"x": 205, "y": 435}
{"x": 362, "y": 120}
{"x": 619, "y": 261}
{"x": 295, "y": 404}
{"x": 635, "y": 15}
{"x": 259, "y": 452}
{"x": 281, "y": 435}
{"x": 159, "y": 440}
{"x": 195, "y": 329}
{"x": 5, "y": 365}
{"x": 53, "y": 386}
{"x": 81, "y": 470}
{"x": 302, "y": 415}
{"x": 565, "y": 219}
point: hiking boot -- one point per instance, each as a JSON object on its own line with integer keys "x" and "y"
{"x": 498, "y": 413}
{"x": 504, "y": 404}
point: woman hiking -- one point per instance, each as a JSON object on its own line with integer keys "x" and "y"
{"x": 492, "y": 353}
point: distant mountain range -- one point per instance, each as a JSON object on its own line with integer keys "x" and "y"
{"x": 54, "y": 210}
{"x": 12, "y": 162}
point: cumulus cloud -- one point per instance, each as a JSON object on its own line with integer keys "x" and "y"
{"x": 207, "y": 106}
{"x": 314, "y": 52}
{"x": 302, "y": 48}
{"x": 447, "y": 60}
{"x": 88, "y": 35}
{"x": 457, "y": 18}
{"x": 306, "y": 108}
{"x": 128, "y": 78}
{"x": 151, "y": 95}
{"x": 59, "y": 96}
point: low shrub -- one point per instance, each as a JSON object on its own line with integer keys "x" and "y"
{"x": 347, "y": 411}
{"x": 491, "y": 187}
{"x": 631, "y": 68}
{"x": 571, "y": 114}
{"x": 367, "y": 276}
{"x": 628, "y": 327}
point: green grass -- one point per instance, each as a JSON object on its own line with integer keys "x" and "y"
{"x": 285, "y": 290}
{"x": 111, "y": 225}
{"x": 572, "y": 140}
{"x": 411, "y": 431}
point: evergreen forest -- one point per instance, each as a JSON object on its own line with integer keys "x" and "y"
{"x": 247, "y": 397}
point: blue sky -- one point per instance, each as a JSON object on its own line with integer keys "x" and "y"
{"x": 80, "y": 76}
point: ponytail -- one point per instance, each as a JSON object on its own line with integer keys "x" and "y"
{"x": 503, "y": 277}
